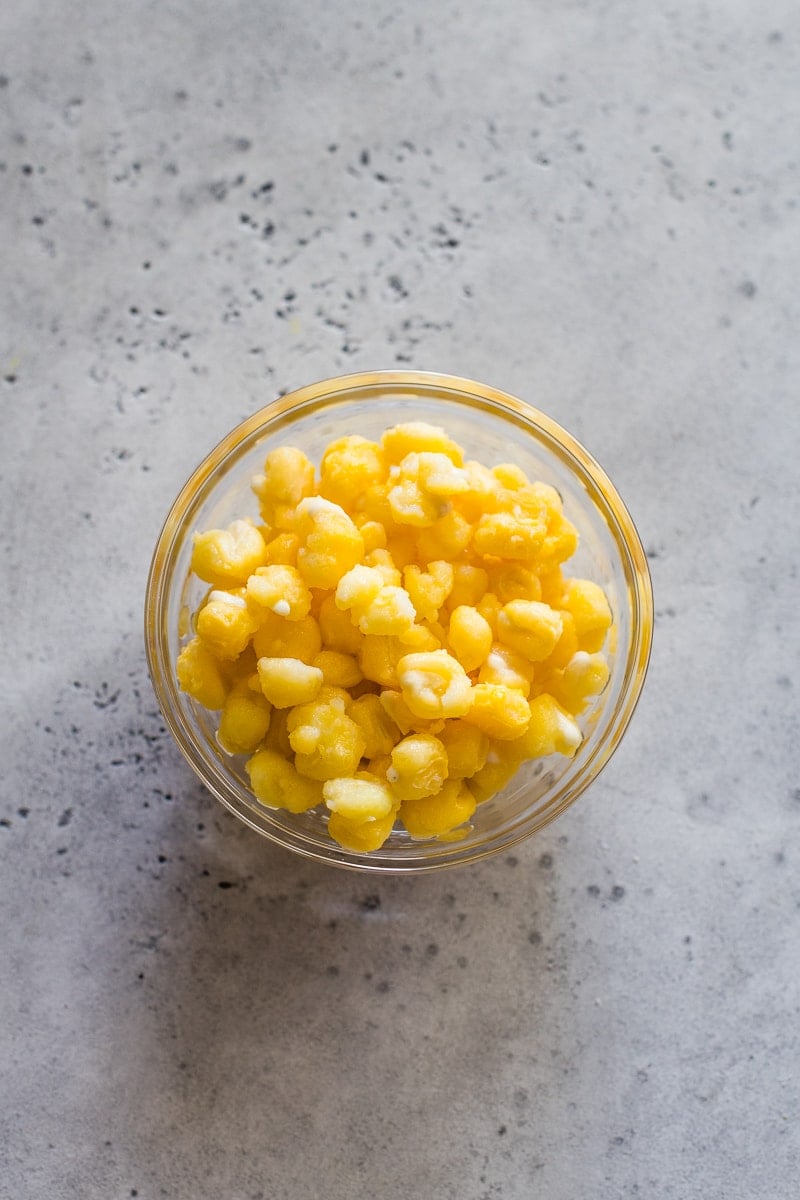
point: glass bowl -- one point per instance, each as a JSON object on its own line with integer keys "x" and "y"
{"x": 492, "y": 427}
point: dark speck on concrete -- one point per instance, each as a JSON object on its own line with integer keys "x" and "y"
{"x": 371, "y": 903}
{"x": 593, "y": 890}
{"x": 431, "y": 950}
{"x": 23, "y": 812}
{"x": 617, "y": 892}
{"x": 501, "y": 1132}
{"x": 27, "y": 169}
{"x": 3, "y": 81}
{"x": 747, "y": 288}
{"x": 546, "y": 862}
{"x": 225, "y": 884}
{"x": 65, "y": 818}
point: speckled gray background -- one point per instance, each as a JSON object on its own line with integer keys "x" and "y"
{"x": 593, "y": 205}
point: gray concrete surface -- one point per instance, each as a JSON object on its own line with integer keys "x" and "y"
{"x": 593, "y": 205}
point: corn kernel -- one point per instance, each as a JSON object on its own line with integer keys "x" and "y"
{"x": 492, "y": 777}
{"x": 552, "y": 730}
{"x": 489, "y": 607}
{"x": 390, "y": 614}
{"x": 277, "y": 736}
{"x": 381, "y": 560}
{"x": 327, "y": 743}
{"x": 446, "y": 538}
{"x": 436, "y": 815}
{"x": 362, "y": 838}
{"x": 466, "y": 747}
{"x": 378, "y": 659}
{"x": 282, "y": 549}
{"x": 349, "y": 467}
{"x": 226, "y": 624}
{"x": 419, "y": 766}
{"x": 402, "y": 546}
{"x": 359, "y": 798}
{"x": 416, "y": 437}
{"x": 469, "y": 636}
{"x": 423, "y": 637}
{"x": 245, "y": 720}
{"x": 590, "y": 610}
{"x": 510, "y": 476}
{"x": 513, "y": 581}
{"x": 405, "y": 720}
{"x": 330, "y": 544}
{"x": 276, "y": 637}
{"x": 504, "y": 666}
{"x": 584, "y": 677}
{"x": 373, "y": 533}
{"x": 379, "y": 731}
{"x": 338, "y": 670}
{"x": 429, "y": 589}
{"x": 287, "y": 681}
{"x": 337, "y": 630}
{"x": 277, "y": 784}
{"x": 529, "y": 627}
{"x": 287, "y": 478}
{"x": 499, "y": 711}
{"x": 437, "y": 474}
{"x": 484, "y": 495}
{"x": 282, "y": 589}
{"x": 434, "y": 684}
{"x": 504, "y": 535}
{"x": 200, "y": 674}
{"x": 409, "y": 505}
{"x": 226, "y": 557}
{"x": 469, "y": 586}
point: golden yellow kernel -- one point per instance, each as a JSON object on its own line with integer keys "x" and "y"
{"x": 510, "y": 476}
{"x": 485, "y": 493}
{"x": 277, "y": 784}
{"x": 529, "y": 627}
{"x": 390, "y": 614}
{"x": 513, "y": 581}
{"x": 429, "y": 589}
{"x": 402, "y": 546}
{"x": 201, "y": 675}
{"x": 361, "y": 838}
{"x": 584, "y": 677}
{"x": 373, "y": 533}
{"x": 349, "y": 467}
{"x": 434, "y": 684}
{"x": 470, "y": 584}
{"x": 589, "y": 607}
{"x": 415, "y": 437}
{"x": 423, "y": 637}
{"x": 245, "y": 720}
{"x": 419, "y": 766}
{"x": 338, "y": 670}
{"x": 287, "y": 478}
{"x": 508, "y": 668}
{"x": 503, "y": 535}
{"x": 379, "y": 730}
{"x": 469, "y": 637}
{"x": 283, "y": 549}
{"x": 501, "y": 712}
{"x": 466, "y": 747}
{"x": 327, "y": 743}
{"x": 277, "y": 736}
{"x": 282, "y": 589}
{"x": 330, "y": 544}
{"x": 226, "y": 557}
{"x": 489, "y": 607}
{"x": 492, "y": 777}
{"x": 277, "y": 637}
{"x": 287, "y": 681}
{"x": 225, "y": 624}
{"x": 378, "y": 659}
{"x": 447, "y": 538}
{"x": 437, "y": 474}
{"x": 381, "y": 559}
{"x": 552, "y": 730}
{"x": 436, "y": 815}
{"x": 359, "y": 798}
{"x": 338, "y": 631}
{"x": 409, "y": 505}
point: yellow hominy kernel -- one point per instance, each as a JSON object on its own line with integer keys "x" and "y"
{"x": 434, "y": 684}
{"x": 277, "y": 637}
{"x": 529, "y": 627}
{"x": 338, "y": 631}
{"x": 561, "y": 541}
{"x": 327, "y": 743}
{"x": 201, "y": 676}
{"x": 436, "y": 815}
{"x": 446, "y": 538}
{"x": 277, "y": 736}
{"x": 245, "y": 720}
{"x": 590, "y": 610}
{"x": 469, "y": 636}
{"x": 489, "y": 607}
{"x": 513, "y": 581}
{"x": 417, "y": 437}
{"x": 409, "y": 505}
{"x": 505, "y": 667}
{"x": 349, "y": 467}
{"x": 419, "y": 766}
{"x": 499, "y": 711}
{"x": 429, "y": 589}
{"x": 377, "y": 727}
{"x": 390, "y": 614}
{"x": 437, "y": 474}
{"x": 493, "y": 776}
{"x": 503, "y": 535}
{"x": 362, "y": 838}
{"x": 277, "y": 784}
{"x": 551, "y": 730}
{"x": 226, "y": 557}
{"x": 484, "y": 495}
{"x": 283, "y": 549}
{"x": 287, "y": 681}
{"x": 584, "y": 677}
{"x": 225, "y": 624}
{"x": 373, "y": 533}
{"x": 470, "y": 584}
{"x": 288, "y": 477}
{"x": 338, "y": 670}
{"x": 359, "y": 798}
{"x": 381, "y": 559}
{"x": 378, "y": 659}
{"x": 423, "y": 637}
{"x": 282, "y": 589}
{"x": 566, "y": 646}
{"x": 510, "y": 476}
{"x": 402, "y": 546}
{"x": 330, "y": 544}
{"x": 466, "y": 747}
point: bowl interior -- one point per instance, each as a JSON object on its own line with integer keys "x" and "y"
{"x": 492, "y": 428}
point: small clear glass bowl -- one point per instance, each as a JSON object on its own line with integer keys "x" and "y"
{"x": 492, "y": 427}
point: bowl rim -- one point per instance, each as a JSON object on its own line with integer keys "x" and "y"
{"x": 569, "y": 449}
